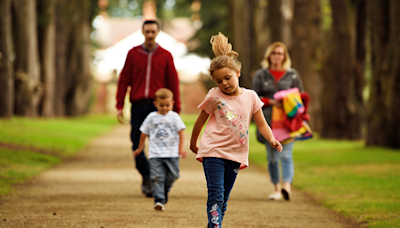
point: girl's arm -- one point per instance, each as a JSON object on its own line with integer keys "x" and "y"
{"x": 266, "y": 131}
{"x": 141, "y": 144}
{"x": 197, "y": 129}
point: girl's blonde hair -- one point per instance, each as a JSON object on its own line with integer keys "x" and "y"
{"x": 224, "y": 55}
{"x": 287, "y": 63}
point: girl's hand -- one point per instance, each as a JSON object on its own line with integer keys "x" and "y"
{"x": 276, "y": 145}
{"x": 194, "y": 148}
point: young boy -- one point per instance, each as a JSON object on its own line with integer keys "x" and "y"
{"x": 166, "y": 131}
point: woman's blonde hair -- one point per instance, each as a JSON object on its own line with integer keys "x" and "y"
{"x": 224, "y": 55}
{"x": 287, "y": 63}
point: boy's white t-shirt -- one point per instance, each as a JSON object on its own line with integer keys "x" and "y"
{"x": 163, "y": 132}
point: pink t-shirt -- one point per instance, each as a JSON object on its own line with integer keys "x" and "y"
{"x": 227, "y": 132}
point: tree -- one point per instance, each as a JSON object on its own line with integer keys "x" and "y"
{"x": 79, "y": 61}
{"x": 306, "y": 30}
{"x": 242, "y": 39}
{"x": 73, "y": 78}
{"x": 341, "y": 107}
{"x": 384, "y": 105}
{"x": 47, "y": 38}
{"x": 28, "y": 89}
{"x": 214, "y": 16}
{"x": 6, "y": 60}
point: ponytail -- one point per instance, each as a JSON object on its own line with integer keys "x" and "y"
{"x": 224, "y": 55}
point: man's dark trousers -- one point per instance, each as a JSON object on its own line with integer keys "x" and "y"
{"x": 139, "y": 112}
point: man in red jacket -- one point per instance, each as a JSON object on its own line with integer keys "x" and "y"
{"x": 148, "y": 67}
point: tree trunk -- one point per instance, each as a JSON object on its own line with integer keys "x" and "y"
{"x": 63, "y": 34}
{"x": 306, "y": 29}
{"x": 73, "y": 79}
{"x": 79, "y": 93}
{"x": 242, "y": 37}
{"x": 287, "y": 9}
{"x": 275, "y": 19}
{"x": 341, "y": 110}
{"x": 28, "y": 88}
{"x": 6, "y": 61}
{"x": 261, "y": 37}
{"x": 361, "y": 29}
{"x": 47, "y": 30}
{"x": 384, "y": 105}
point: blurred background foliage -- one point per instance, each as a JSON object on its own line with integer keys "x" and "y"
{"x": 346, "y": 52}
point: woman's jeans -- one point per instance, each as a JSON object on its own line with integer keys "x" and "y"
{"x": 163, "y": 173}
{"x": 286, "y": 158}
{"x": 220, "y": 175}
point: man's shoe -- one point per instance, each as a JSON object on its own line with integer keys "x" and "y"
{"x": 275, "y": 196}
{"x": 287, "y": 194}
{"x": 146, "y": 188}
{"x": 158, "y": 206}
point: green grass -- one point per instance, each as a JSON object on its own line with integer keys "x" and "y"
{"x": 189, "y": 120}
{"x": 18, "y": 165}
{"x": 359, "y": 182}
{"x": 61, "y": 135}
{"x": 58, "y": 137}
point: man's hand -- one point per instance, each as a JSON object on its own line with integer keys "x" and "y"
{"x": 136, "y": 152}
{"x": 182, "y": 153}
{"x": 276, "y": 145}
{"x": 120, "y": 116}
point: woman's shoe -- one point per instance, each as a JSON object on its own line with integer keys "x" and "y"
{"x": 275, "y": 196}
{"x": 287, "y": 194}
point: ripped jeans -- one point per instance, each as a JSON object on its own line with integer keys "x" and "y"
{"x": 220, "y": 175}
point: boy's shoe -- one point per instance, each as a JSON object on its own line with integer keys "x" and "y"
{"x": 275, "y": 196}
{"x": 158, "y": 206}
{"x": 287, "y": 194}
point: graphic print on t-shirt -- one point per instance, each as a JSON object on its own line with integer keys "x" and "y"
{"x": 236, "y": 122}
{"x": 162, "y": 133}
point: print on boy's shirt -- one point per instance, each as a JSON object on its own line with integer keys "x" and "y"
{"x": 163, "y": 130}
{"x": 162, "y": 134}
{"x": 236, "y": 122}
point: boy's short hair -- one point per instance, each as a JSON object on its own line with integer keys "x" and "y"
{"x": 151, "y": 22}
{"x": 164, "y": 93}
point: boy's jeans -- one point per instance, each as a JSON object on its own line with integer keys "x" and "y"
{"x": 163, "y": 173}
{"x": 286, "y": 157}
{"x": 220, "y": 175}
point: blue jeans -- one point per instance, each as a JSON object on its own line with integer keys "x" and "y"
{"x": 286, "y": 158}
{"x": 163, "y": 173}
{"x": 138, "y": 114}
{"x": 220, "y": 175}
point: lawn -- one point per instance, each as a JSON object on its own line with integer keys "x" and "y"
{"x": 357, "y": 181}
{"x": 45, "y": 142}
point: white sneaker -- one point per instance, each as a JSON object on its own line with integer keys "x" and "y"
{"x": 275, "y": 196}
{"x": 158, "y": 206}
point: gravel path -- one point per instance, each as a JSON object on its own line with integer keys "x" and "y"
{"x": 99, "y": 187}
